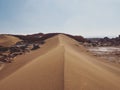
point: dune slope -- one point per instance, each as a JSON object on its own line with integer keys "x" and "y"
{"x": 8, "y": 40}
{"x": 67, "y": 66}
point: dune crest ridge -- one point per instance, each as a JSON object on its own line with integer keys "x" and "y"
{"x": 67, "y": 66}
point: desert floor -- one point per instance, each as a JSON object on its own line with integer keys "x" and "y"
{"x": 60, "y": 64}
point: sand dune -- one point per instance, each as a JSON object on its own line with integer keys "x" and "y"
{"x": 61, "y": 64}
{"x": 7, "y": 40}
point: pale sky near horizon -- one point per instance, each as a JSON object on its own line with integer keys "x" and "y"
{"x": 89, "y": 18}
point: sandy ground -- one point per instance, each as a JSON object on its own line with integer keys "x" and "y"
{"x": 2, "y": 65}
{"x": 60, "y": 64}
{"x": 7, "y": 40}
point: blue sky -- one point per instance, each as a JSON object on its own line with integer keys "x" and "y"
{"x": 89, "y": 18}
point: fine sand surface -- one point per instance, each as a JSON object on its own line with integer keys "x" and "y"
{"x": 7, "y": 40}
{"x": 60, "y": 64}
{"x": 1, "y": 65}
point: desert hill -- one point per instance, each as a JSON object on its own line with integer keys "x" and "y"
{"x": 8, "y": 40}
{"x": 41, "y": 37}
{"x": 60, "y": 64}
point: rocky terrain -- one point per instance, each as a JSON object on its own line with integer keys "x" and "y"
{"x": 111, "y": 54}
{"x": 106, "y": 48}
{"x": 103, "y": 41}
